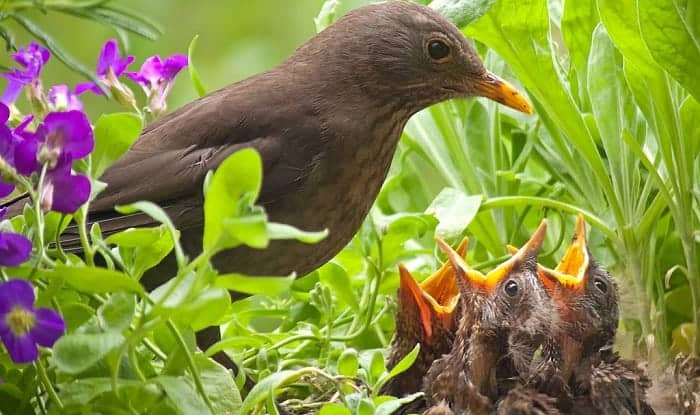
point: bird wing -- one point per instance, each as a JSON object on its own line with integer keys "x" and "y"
{"x": 168, "y": 163}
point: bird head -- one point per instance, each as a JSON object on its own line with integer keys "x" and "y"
{"x": 508, "y": 297}
{"x": 427, "y": 309}
{"x": 584, "y": 293}
{"x": 411, "y": 53}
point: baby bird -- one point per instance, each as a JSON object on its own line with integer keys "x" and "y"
{"x": 505, "y": 315}
{"x": 578, "y": 367}
{"x": 425, "y": 316}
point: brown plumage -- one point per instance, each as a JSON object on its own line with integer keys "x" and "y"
{"x": 501, "y": 324}
{"x": 577, "y": 366}
{"x": 425, "y": 316}
{"x": 326, "y": 122}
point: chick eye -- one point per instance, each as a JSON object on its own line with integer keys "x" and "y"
{"x": 600, "y": 285}
{"x": 511, "y": 288}
{"x": 437, "y": 49}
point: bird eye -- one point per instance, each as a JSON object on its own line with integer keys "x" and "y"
{"x": 511, "y": 288}
{"x": 600, "y": 285}
{"x": 438, "y": 50}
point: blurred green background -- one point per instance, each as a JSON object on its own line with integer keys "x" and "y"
{"x": 237, "y": 39}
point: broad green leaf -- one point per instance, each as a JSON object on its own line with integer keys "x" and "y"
{"x": 75, "y": 314}
{"x": 578, "y": 22}
{"x": 334, "y": 409}
{"x": 74, "y": 353}
{"x": 265, "y": 387}
{"x": 234, "y": 186}
{"x": 621, "y": 22}
{"x": 194, "y": 73}
{"x": 219, "y": 386}
{"x": 182, "y": 392}
{"x": 250, "y": 230}
{"x": 690, "y": 114}
{"x": 85, "y": 390}
{"x": 94, "y": 279}
{"x": 114, "y": 135}
{"x": 403, "y": 365}
{"x": 282, "y": 231}
{"x": 270, "y": 286}
{"x": 204, "y": 309}
{"x": 117, "y": 313}
{"x": 454, "y": 211}
{"x": 461, "y": 12}
{"x": 390, "y": 407}
{"x": 348, "y": 364}
{"x": 670, "y": 41}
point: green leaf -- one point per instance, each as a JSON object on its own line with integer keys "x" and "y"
{"x": 158, "y": 214}
{"x": 117, "y": 313}
{"x": 194, "y": 73}
{"x": 74, "y": 353}
{"x": 454, "y": 211}
{"x": 622, "y": 23}
{"x": 334, "y": 409}
{"x": 270, "y": 286}
{"x": 390, "y": 407}
{"x": 265, "y": 387}
{"x": 337, "y": 279}
{"x": 327, "y": 15}
{"x": 75, "y": 314}
{"x": 114, "y": 135}
{"x": 94, "y": 280}
{"x": 403, "y": 365}
{"x": 348, "y": 364}
{"x": 282, "y": 231}
{"x": 182, "y": 392}
{"x": 462, "y": 12}
{"x": 670, "y": 41}
{"x": 234, "y": 186}
{"x": 142, "y": 248}
{"x": 219, "y": 386}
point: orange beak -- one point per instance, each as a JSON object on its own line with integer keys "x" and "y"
{"x": 570, "y": 273}
{"x": 492, "y": 87}
{"x": 434, "y": 299}
{"x": 489, "y": 281}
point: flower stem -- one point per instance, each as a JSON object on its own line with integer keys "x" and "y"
{"x": 190, "y": 362}
{"x": 48, "y": 387}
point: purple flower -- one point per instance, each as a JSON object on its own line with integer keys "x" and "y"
{"x": 64, "y": 133}
{"x": 62, "y": 98}
{"x": 32, "y": 58}
{"x": 156, "y": 78}
{"x": 14, "y": 248}
{"x": 17, "y": 150}
{"x": 64, "y": 191}
{"x": 22, "y": 326}
{"x": 110, "y": 65}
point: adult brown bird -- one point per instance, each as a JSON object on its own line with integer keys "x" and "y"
{"x": 578, "y": 366}
{"x": 425, "y": 315}
{"x": 326, "y": 122}
{"x": 500, "y": 319}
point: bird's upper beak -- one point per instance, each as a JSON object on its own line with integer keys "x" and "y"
{"x": 570, "y": 273}
{"x": 489, "y": 281}
{"x": 492, "y": 87}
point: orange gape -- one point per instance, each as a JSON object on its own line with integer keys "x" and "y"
{"x": 436, "y": 297}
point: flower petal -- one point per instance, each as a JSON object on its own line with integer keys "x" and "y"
{"x": 49, "y": 326}
{"x": 21, "y": 349}
{"x": 14, "y": 249}
{"x": 108, "y": 56}
{"x": 12, "y": 92}
{"x": 88, "y": 86}
{"x": 174, "y": 64}
{"x": 69, "y": 131}
{"x": 65, "y": 192}
{"x": 4, "y": 113}
{"x": 6, "y": 188}
{"x": 15, "y": 293}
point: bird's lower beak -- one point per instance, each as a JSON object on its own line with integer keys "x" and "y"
{"x": 492, "y": 87}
